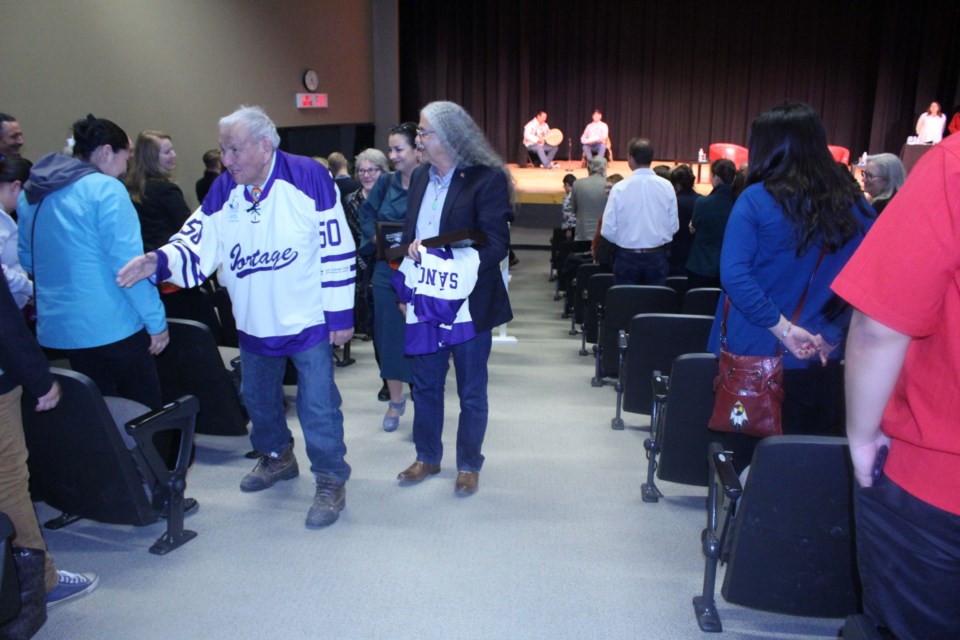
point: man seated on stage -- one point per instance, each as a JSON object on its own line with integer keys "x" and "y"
{"x": 534, "y": 139}
{"x": 594, "y": 138}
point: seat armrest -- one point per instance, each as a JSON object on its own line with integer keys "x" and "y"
{"x": 722, "y": 463}
{"x": 179, "y": 415}
{"x": 623, "y": 340}
{"x": 661, "y": 386}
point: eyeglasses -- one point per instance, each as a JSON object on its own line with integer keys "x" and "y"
{"x": 869, "y": 176}
{"x": 369, "y": 172}
{"x": 423, "y": 133}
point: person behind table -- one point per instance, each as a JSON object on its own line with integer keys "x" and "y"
{"x": 370, "y": 164}
{"x": 211, "y": 171}
{"x": 930, "y": 125}
{"x": 276, "y": 231}
{"x": 903, "y": 381}
{"x": 595, "y": 135}
{"x": 640, "y": 219}
{"x": 158, "y": 200}
{"x": 682, "y": 179}
{"x": 14, "y": 173}
{"x": 462, "y": 185}
{"x": 883, "y": 175}
{"x": 790, "y": 232}
{"x": 78, "y": 227}
{"x": 535, "y": 139}
{"x": 710, "y": 215}
{"x": 388, "y": 203}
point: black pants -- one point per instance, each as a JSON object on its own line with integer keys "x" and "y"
{"x": 908, "y": 553}
{"x": 812, "y": 406}
{"x": 124, "y": 368}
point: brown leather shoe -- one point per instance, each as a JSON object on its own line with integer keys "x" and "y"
{"x": 417, "y": 472}
{"x": 467, "y": 482}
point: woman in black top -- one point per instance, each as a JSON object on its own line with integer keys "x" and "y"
{"x": 159, "y": 202}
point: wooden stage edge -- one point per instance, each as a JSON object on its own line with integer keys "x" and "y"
{"x": 545, "y": 186}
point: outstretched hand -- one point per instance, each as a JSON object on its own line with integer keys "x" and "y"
{"x": 138, "y": 269}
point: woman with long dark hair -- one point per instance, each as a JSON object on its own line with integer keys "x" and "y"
{"x": 387, "y": 202}
{"x": 160, "y": 204}
{"x": 790, "y": 233}
{"x": 77, "y": 229}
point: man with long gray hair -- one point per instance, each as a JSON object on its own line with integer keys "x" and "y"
{"x": 461, "y": 185}
{"x": 276, "y": 230}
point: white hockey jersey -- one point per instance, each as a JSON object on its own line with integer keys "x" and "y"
{"x": 287, "y": 259}
{"x": 436, "y": 291}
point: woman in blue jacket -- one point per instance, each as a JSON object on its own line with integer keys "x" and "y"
{"x": 77, "y": 229}
{"x": 792, "y": 230}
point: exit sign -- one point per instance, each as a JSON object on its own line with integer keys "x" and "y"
{"x": 311, "y": 101}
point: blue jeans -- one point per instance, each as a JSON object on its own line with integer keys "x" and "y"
{"x": 429, "y": 377}
{"x": 594, "y": 149}
{"x": 640, "y": 268}
{"x": 318, "y": 406}
{"x": 545, "y": 152}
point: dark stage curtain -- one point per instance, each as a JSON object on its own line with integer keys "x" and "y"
{"x": 682, "y": 73}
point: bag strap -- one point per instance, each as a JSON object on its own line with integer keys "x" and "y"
{"x": 793, "y": 318}
{"x": 33, "y": 249}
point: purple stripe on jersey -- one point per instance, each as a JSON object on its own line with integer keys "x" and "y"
{"x": 351, "y": 255}
{"x": 339, "y": 283}
{"x": 422, "y": 338}
{"x": 163, "y": 267}
{"x": 339, "y": 320}
{"x": 185, "y": 263}
{"x": 284, "y": 345}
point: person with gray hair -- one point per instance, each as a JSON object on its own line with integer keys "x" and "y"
{"x": 461, "y": 185}
{"x": 883, "y": 175}
{"x": 275, "y": 229}
{"x": 589, "y": 197}
{"x": 370, "y": 165}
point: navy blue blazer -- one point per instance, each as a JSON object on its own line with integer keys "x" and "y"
{"x": 477, "y": 199}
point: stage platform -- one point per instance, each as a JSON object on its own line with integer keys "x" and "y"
{"x": 540, "y": 191}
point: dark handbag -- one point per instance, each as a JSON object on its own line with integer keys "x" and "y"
{"x": 749, "y": 389}
{"x": 749, "y": 395}
{"x": 33, "y": 596}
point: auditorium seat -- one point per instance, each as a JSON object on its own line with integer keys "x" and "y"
{"x": 733, "y": 152}
{"x": 95, "y": 457}
{"x": 840, "y": 154}
{"x": 596, "y": 295}
{"x": 623, "y": 302}
{"x": 683, "y": 404}
{"x": 652, "y": 343}
{"x": 701, "y": 301}
{"x": 786, "y": 534}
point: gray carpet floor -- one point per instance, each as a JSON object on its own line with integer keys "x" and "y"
{"x": 557, "y": 543}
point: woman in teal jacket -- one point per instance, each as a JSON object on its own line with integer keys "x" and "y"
{"x": 77, "y": 229}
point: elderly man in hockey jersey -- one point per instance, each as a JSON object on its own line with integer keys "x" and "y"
{"x": 274, "y": 226}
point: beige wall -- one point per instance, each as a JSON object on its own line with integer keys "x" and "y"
{"x": 178, "y": 65}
